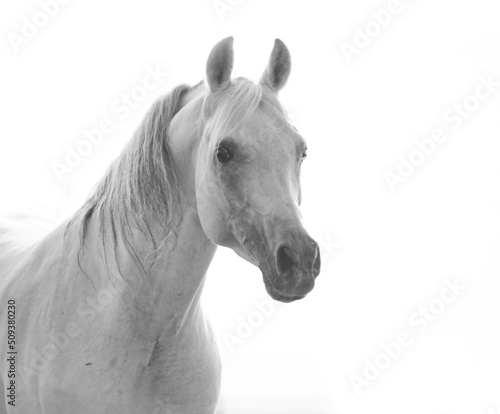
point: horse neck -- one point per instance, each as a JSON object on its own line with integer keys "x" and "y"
{"x": 179, "y": 274}
{"x": 166, "y": 298}
{"x": 171, "y": 287}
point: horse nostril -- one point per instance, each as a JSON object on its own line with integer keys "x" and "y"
{"x": 285, "y": 259}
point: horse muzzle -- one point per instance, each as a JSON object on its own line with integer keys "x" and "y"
{"x": 290, "y": 273}
{"x": 287, "y": 256}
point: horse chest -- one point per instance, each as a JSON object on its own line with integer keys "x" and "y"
{"x": 184, "y": 373}
{"x": 180, "y": 376}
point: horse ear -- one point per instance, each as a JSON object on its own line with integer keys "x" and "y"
{"x": 220, "y": 64}
{"x": 279, "y": 67}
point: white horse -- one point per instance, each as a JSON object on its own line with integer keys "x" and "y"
{"x": 104, "y": 312}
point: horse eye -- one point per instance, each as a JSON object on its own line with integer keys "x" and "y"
{"x": 223, "y": 155}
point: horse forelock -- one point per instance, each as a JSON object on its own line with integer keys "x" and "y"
{"x": 228, "y": 110}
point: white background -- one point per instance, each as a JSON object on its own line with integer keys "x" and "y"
{"x": 385, "y": 253}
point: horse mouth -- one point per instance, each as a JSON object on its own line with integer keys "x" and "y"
{"x": 280, "y": 296}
